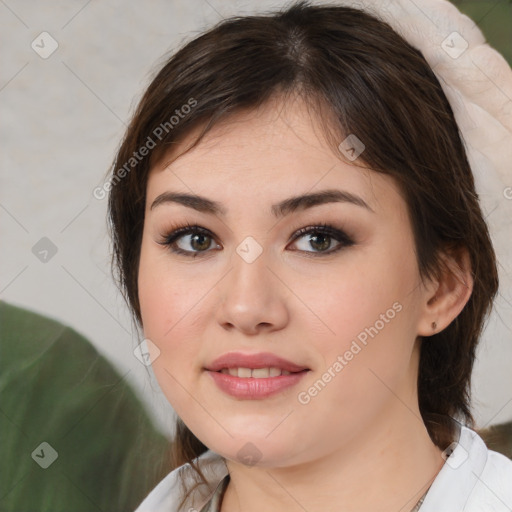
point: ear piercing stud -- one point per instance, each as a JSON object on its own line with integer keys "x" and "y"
{"x": 434, "y": 326}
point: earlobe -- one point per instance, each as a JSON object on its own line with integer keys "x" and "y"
{"x": 446, "y": 296}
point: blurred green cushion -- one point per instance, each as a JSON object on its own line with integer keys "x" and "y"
{"x": 56, "y": 388}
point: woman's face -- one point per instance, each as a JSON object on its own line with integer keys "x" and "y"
{"x": 341, "y": 303}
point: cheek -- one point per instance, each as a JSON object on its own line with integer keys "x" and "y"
{"x": 168, "y": 304}
{"x": 368, "y": 296}
{"x": 364, "y": 366}
{"x": 368, "y": 311}
{"x": 167, "y": 309}
{"x": 176, "y": 311}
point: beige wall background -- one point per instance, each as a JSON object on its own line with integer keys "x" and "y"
{"x": 62, "y": 117}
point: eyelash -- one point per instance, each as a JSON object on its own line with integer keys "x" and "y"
{"x": 175, "y": 234}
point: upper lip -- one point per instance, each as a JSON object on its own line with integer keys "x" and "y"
{"x": 260, "y": 360}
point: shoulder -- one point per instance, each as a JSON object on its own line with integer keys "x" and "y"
{"x": 168, "y": 494}
{"x": 473, "y": 479}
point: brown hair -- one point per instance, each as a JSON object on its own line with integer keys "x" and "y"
{"x": 359, "y": 77}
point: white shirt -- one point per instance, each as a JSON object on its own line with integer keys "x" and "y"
{"x": 472, "y": 479}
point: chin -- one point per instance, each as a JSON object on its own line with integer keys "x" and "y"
{"x": 257, "y": 450}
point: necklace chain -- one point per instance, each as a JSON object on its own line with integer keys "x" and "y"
{"x": 420, "y": 502}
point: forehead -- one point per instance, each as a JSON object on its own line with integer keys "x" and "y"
{"x": 274, "y": 152}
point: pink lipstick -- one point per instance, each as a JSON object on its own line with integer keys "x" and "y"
{"x": 254, "y": 376}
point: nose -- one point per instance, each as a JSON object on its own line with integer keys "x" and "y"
{"x": 252, "y": 297}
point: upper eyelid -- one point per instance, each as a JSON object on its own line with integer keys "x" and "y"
{"x": 190, "y": 229}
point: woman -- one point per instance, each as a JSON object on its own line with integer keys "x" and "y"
{"x": 297, "y": 232}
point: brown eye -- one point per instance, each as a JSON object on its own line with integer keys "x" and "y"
{"x": 190, "y": 241}
{"x": 321, "y": 239}
{"x": 198, "y": 242}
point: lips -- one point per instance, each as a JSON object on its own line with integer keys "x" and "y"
{"x": 254, "y": 376}
{"x": 234, "y": 360}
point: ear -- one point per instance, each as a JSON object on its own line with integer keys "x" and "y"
{"x": 446, "y": 295}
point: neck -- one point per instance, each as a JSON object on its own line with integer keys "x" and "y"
{"x": 388, "y": 466}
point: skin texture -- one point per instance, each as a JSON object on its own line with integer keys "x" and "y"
{"x": 356, "y": 444}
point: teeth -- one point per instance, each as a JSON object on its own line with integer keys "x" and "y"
{"x": 244, "y": 372}
{"x": 260, "y": 373}
{"x": 256, "y": 373}
{"x": 274, "y": 372}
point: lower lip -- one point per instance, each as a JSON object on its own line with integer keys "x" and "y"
{"x": 254, "y": 389}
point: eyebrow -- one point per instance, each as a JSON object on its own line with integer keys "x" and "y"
{"x": 281, "y": 209}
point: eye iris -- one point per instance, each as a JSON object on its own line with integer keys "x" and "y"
{"x": 322, "y": 245}
{"x": 202, "y": 246}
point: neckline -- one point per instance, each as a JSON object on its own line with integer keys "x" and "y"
{"x": 215, "y": 502}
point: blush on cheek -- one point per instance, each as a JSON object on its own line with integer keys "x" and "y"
{"x": 158, "y": 303}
